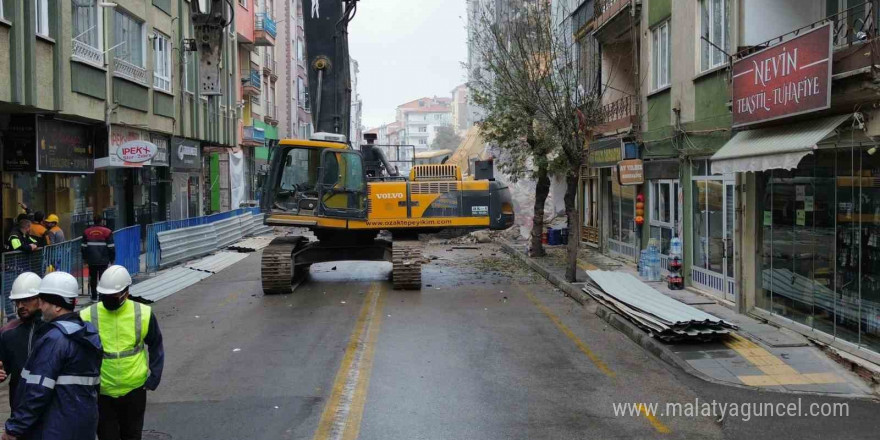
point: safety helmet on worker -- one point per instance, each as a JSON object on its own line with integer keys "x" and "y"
{"x": 52, "y": 218}
{"x": 62, "y": 284}
{"x": 26, "y": 285}
{"x": 114, "y": 280}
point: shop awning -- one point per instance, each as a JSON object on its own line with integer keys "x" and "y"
{"x": 780, "y": 147}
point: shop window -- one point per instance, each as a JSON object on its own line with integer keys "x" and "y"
{"x": 162, "y": 62}
{"x": 86, "y": 23}
{"x": 622, "y": 235}
{"x": 713, "y": 27}
{"x": 128, "y": 35}
{"x": 42, "y": 17}
{"x": 664, "y": 212}
{"x": 821, "y": 244}
{"x": 660, "y": 56}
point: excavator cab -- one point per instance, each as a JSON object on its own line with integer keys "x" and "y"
{"x": 316, "y": 180}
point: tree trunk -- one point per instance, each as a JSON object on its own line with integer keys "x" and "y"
{"x": 542, "y": 189}
{"x": 571, "y": 211}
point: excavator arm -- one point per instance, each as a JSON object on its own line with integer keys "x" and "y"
{"x": 326, "y": 33}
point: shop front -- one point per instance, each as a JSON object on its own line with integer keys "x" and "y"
{"x": 186, "y": 166}
{"x": 135, "y": 191}
{"x": 609, "y": 206}
{"x": 48, "y": 166}
{"x": 664, "y": 204}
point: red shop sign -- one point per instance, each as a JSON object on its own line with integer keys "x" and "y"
{"x": 788, "y": 79}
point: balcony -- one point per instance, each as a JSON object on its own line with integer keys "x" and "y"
{"x": 253, "y": 136}
{"x": 264, "y": 30}
{"x": 251, "y": 83}
{"x": 124, "y": 69}
{"x": 87, "y": 54}
{"x": 582, "y": 17}
{"x": 612, "y": 20}
{"x": 617, "y": 116}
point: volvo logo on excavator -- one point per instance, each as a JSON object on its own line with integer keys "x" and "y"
{"x": 390, "y": 196}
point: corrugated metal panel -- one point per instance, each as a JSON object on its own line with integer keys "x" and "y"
{"x": 667, "y": 318}
{"x": 167, "y": 283}
{"x": 217, "y": 262}
{"x": 252, "y": 244}
{"x": 186, "y": 243}
{"x": 782, "y": 139}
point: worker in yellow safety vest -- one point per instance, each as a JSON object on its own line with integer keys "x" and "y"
{"x": 129, "y": 368}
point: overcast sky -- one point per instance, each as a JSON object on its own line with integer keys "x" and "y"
{"x": 407, "y": 49}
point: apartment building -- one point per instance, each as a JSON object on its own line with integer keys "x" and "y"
{"x": 765, "y": 175}
{"x": 83, "y": 78}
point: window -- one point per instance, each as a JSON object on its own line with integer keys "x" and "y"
{"x": 86, "y": 24}
{"x": 300, "y": 51}
{"x": 242, "y": 3}
{"x": 42, "y": 17}
{"x": 301, "y": 92}
{"x": 660, "y": 56}
{"x": 128, "y": 34}
{"x": 713, "y": 27}
{"x": 423, "y": 141}
{"x": 423, "y": 129}
{"x": 162, "y": 62}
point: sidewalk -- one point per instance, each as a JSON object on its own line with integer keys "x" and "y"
{"x": 758, "y": 355}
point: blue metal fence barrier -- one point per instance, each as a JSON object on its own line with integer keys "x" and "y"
{"x": 154, "y": 229}
{"x": 128, "y": 248}
{"x": 65, "y": 257}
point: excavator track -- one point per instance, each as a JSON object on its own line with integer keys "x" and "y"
{"x": 406, "y": 259}
{"x": 277, "y": 266}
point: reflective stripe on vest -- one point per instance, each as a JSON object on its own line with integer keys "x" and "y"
{"x": 125, "y": 366}
{"x": 61, "y": 380}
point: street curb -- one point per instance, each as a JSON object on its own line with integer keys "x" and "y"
{"x": 639, "y": 336}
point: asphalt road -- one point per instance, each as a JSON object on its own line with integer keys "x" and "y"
{"x": 485, "y": 351}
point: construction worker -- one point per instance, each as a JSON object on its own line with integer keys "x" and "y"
{"x": 98, "y": 251}
{"x": 55, "y": 234}
{"x": 19, "y": 239}
{"x": 125, "y": 327}
{"x": 57, "y": 396}
{"x": 38, "y": 229}
{"x": 18, "y": 336}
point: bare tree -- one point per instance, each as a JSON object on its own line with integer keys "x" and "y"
{"x": 530, "y": 68}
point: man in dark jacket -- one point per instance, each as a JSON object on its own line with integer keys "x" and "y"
{"x": 18, "y": 337}
{"x": 58, "y": 390}
{"x": 19, "y": 238}
{"x": 98, "y": 252}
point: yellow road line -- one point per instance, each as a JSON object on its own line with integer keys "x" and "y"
{"x": 346, "y": 402}
{"x": 656, "y": 423}
{"x": 567, "y": 332}
{"x": 229, "y": 299}
{"x": 353, "y": 427}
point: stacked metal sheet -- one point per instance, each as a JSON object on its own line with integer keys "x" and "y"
{"x": 167, "y": 283}
{"x": 666, "y": 318}
{"x": 252, "y": 244}
{"x": 217, "y": 262}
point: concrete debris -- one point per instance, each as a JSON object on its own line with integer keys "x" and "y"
{"x": 664, "y": 317}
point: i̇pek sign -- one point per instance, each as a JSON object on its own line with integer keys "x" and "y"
{"x": 136, "y": 151}
{"x": 784, "y": 80}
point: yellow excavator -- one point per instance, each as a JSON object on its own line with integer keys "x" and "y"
{"x": 346, "y": 197}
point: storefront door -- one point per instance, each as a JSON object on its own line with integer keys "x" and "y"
{"x": 714, "y": 251}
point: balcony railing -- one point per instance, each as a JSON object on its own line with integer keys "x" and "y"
{"x": 622, "y": 108}
{"x": 265, "y": 23}
{"x": 254, "y": 134}
{"x": 85, "y": 52}
{"x": 603, "y": 6}
{"x": 251, "y": 79}
{"x": 849, "y": 27}
{"x": 129, "y": 71}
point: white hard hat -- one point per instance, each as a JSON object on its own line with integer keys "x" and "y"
{"x": 114, "y": 280}
{"x": 26, "y": 285}
{"x": 62, "y": 284}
